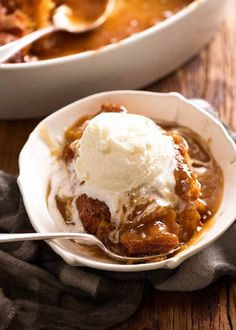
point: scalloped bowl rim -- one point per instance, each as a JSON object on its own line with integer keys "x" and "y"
{"x": 170, "y": 263}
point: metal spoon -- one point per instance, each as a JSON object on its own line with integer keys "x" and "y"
{"x": 63, "y": 20}
{"x": 85, "y": 239}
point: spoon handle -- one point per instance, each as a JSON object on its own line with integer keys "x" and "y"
{"x": 86, "y": 238}
{"x": 8, "y": 50}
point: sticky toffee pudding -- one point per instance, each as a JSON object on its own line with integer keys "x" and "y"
{"x": 142, "y": 187}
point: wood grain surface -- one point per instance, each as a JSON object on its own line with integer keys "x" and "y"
{"x": 210, "y": 75}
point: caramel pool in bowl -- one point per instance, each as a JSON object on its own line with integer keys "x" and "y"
{"x": 36, "y": 161}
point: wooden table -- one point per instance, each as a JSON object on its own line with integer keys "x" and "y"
{"x": 210, "y": 75}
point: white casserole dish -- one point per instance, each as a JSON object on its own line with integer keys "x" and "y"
{"x": 36, "y": 161}
{"x": 37, "y": 89}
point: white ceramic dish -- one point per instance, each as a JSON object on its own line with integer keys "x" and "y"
{"x": 36, "y": 89}
{"x": 35, "y": 166}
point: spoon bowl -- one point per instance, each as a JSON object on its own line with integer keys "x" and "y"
{"x": 63, "y": 20}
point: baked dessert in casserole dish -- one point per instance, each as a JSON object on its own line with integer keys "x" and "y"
{"x": 43, "y": 86}
{"x": 19, "y": 17}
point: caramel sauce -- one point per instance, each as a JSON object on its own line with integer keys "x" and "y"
{"x": 129, "y": 17}
{"x": 198, "y": 236}
{"x": 48, "y": 191}
{"x": 212, "y": 183}
{"x": 49, "y": 141}
{"x": 64, "y": 207}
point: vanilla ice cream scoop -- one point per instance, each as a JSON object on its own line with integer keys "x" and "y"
{"x": 119, "y": 152}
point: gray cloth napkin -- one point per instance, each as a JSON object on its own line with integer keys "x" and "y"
{"x": 38, "y": 290}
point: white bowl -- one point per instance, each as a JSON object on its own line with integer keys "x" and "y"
{"x": 35, "y": 166}
{"x": 36, "y": 89}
